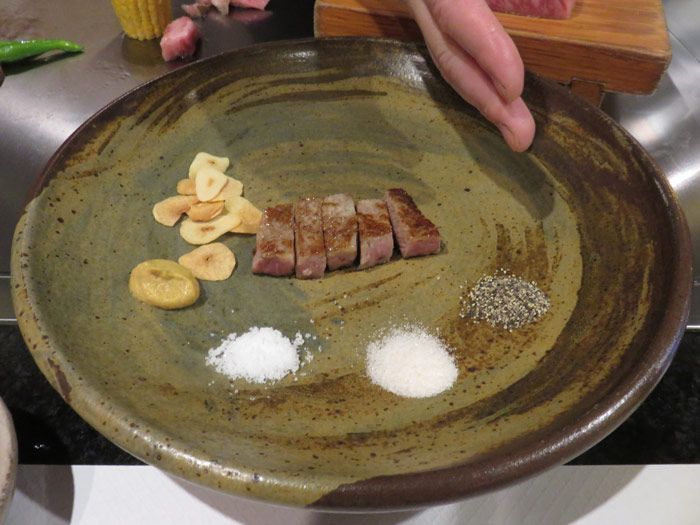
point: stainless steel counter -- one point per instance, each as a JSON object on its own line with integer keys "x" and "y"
{"x": 41, "y": 106}
{"x": 667, "y": 123}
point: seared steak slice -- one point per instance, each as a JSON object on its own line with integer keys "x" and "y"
{"x": 415, "y": 234}
{"x": 274, "y": 248}
{"x": 376, "y": 236}
{"x": 339, "y": 230}
{"x": 308, "y": 239}
{"x": 538, "y": 8}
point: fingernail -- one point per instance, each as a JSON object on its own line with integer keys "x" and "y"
{"x": 507, "y": 134}
{"x": 500, "y": 87}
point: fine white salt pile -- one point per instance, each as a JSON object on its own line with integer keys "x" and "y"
{"x": 410, "y": 362}
{"x": 258, "y": 355}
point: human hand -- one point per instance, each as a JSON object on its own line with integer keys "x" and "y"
{"x": 480, "y": 61}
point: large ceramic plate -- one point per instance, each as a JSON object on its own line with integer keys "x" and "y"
{"x": 585, "y": 214}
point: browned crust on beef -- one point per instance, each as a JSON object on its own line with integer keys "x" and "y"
{"x": 308, "y": 239}
{"x": 415, "y": 233}
{"x": 274, "y": 249}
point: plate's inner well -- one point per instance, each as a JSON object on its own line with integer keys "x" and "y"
{"x": 575, "y": 216}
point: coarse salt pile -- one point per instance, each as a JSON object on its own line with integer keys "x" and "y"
{"x": 259, "y": 355}
{"x": 410, "y": 362}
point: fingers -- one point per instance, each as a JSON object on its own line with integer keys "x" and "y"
{"x": 474, "y": 27}
{"x": 466, "y": 76}
{"x": 518, "y": 128}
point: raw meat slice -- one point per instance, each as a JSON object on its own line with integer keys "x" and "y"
{"x": 339, "y": 230}
{"x": 179, "y": 39}
{"x": 274, "y": 248}
{"x": 196, "y": 10}
{"x": 308, "y": 239}
{"x": 253, "y": 4}
{"x": 415, "y": 234}
{"x": 538, "y": 8}
{"x": 200, "y": 7}
{"x": 376, "y": 235}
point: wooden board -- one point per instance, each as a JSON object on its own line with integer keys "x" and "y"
{"x": 609, "y": 45}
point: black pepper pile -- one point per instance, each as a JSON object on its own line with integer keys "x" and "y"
{"x": 504, "y": 301}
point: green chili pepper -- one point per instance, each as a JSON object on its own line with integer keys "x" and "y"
{"x": 21, "y": 49}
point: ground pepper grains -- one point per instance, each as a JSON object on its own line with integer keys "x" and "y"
{"x": 504, "y": 301}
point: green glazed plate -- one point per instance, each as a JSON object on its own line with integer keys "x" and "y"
{"x": 585, "y": 214}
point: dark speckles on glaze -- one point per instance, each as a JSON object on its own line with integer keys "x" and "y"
{"x": 64, "y": 387}
{"x": 585, "y": 214}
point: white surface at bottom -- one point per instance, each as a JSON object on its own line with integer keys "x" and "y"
{"x": 583, "y": 495}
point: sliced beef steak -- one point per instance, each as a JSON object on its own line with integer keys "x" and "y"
{"x": 308, "y": 239}
{"x": 538, "y": 8}
{"x": 415, "y": 234}
{"x": 376, "y": 235}
{"x": 339, "y": 230}
{"x": 274, "y": 248}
